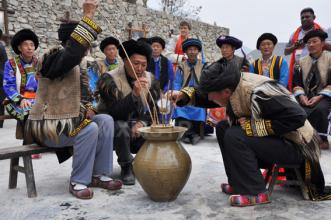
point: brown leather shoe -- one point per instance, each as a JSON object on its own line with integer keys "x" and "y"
{"x": 110, "y": 185}
{"x": 86, "y": 193}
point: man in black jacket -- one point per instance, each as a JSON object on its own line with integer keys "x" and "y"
{"x": 124, "y": 97}
{"x": 265, "y": 124}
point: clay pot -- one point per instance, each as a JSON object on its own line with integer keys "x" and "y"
{"x": 162, "y": 166}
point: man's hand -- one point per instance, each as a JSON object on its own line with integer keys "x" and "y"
{"x": 303, "y": 100}
{"x": 90, "y": 7}
{"x": 138, "y": 85}
{"x": 90, "y": 114}
{"x": 175, "y": 96}
{"x": 25, "y": 104}
{"x": 242, "y": 121}
{"x": 314, "y": 100}
{"x": 298, "y": 44}
{"x": 134, "y": 130}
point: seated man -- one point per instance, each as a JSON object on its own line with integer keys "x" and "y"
{"x": 124, "y": 98}
{"x": 61, "y": 117}
{"x": 270, "y": 65}
{"x": 312, "y": 83}
{"x": 228, "y": 46}
{"x": 188, "y": 74}
{"x": 109, "y": 46}
{"x": 159, "y": 65}
{"x": 265, "y": 123}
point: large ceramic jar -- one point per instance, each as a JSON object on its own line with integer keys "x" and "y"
{"x": 162, "y": 166}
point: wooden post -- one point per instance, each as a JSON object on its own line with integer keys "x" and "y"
{"x": 13, "y": 173}
{"x": 29, "y": 176}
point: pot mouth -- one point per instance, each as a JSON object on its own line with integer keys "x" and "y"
{"x": 162, "y": 129}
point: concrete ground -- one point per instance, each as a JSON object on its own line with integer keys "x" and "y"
{"x": 200, "y": 199}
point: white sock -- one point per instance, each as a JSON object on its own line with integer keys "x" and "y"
{"x": 103, "y": 178}
{"x": 78, "y": 186}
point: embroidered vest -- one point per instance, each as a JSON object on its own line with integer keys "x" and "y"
{"x": 274, "y": 69}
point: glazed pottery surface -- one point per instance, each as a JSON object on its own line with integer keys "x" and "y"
{"x": 162, "y": 166}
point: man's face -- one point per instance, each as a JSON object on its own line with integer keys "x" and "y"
{"x": 192, "y": 53}
{"x": 221, "y": 98}
{"x": 315, "y": 45}
{"x": 267, "y": 47}
{"x": 157, "y": 49}
{"x": 184, "y": 31}
{"x": 139, "y": 63}
{"x": 110, "y": 52}
{"x": 27, "y": 49}
{"x": 227, "y": 51}
{"x": 307, "y": 20}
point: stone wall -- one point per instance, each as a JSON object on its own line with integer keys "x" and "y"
{"x": 43, "y": 16}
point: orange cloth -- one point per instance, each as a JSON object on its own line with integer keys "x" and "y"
{"x": 29, "y": 95}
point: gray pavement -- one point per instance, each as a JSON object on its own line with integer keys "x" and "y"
{"x": 200, "y": 199}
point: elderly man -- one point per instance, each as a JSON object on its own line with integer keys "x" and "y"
{"x": 159, "y": 65}
{"x": 123, "y": 96}
{"x": 109, "y": 46}
{"x": 62, "y": 117}
{"x": 270, "y": 65}
{"x": 265, "y": 124}
{"x": 312, "y": 83}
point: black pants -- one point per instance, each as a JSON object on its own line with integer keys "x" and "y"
{"x": 318, "y": 116}
{"x": 192, "y": 126}
{"x": 124, "y": 144}
{"x": 243, "y": 155}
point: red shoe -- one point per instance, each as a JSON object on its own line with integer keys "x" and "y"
{"x": 227, "y": 188}
{"x": 36, "y": 156}
{"x": 110, "y": 185}
{"x": 86, "y": 193}
{"x": 243, "y": 201}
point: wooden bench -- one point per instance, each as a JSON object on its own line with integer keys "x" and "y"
{"x": 25, "y": 151}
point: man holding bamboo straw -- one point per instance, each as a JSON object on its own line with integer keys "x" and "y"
{"x": 124, "y": 94}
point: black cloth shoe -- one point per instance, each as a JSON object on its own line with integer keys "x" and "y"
{"x": 194, "y": 139}
{"x": 127, "y": 175}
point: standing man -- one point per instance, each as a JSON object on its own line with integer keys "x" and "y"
{"x": 296, "y": 46}
{"x": 123, "y": 96}
{"x": 312, "y": 83}
{"x": 188, "y": 74}
{"x": 62, "y": 117}
{"x": 174, "y": 49}
{"x": 159, "y": 65}
{"x": 265, "y": 123}
{"x": 269, "y": 65}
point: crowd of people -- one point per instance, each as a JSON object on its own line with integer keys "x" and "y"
{"x": 272, "y": 108}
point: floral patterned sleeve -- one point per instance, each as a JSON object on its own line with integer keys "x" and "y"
{"x": 9, "y": 84}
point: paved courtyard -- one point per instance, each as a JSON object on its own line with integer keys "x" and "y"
{"x": 200, "y": 199}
